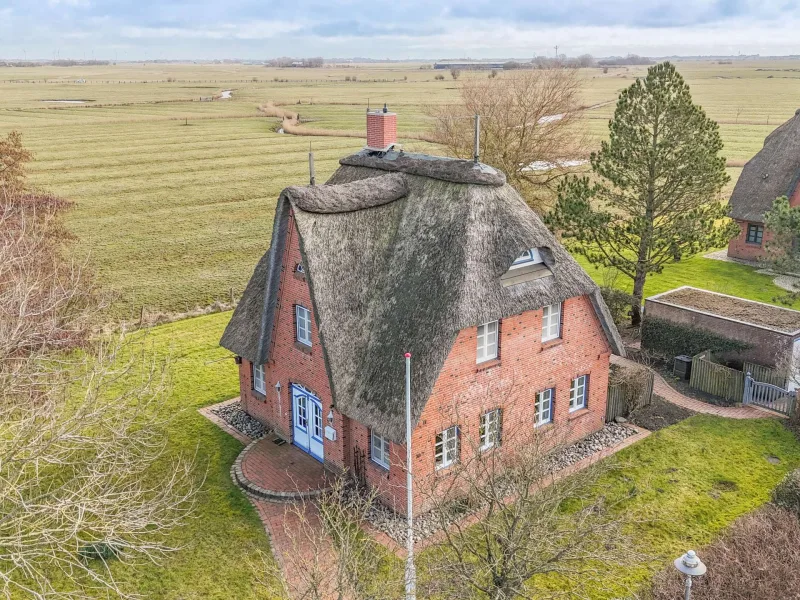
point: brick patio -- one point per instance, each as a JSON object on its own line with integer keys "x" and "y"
{"x": 274, "y": 469}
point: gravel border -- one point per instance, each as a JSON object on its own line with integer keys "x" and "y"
{"x": 394, "y": 525}
{"x": 235, "y": 416}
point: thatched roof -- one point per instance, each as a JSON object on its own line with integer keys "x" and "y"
{"x": 403, "y": 264}
{"x": 773, "y": 172}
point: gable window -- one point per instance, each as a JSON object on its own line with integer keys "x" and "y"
{"x": 303, "y": 319}
{"x": 529, "y": 257}
{"x": 577, "y": 393}
{"x": 490, "y": 429}
{"x": 259, "y": 380}
{"x": 543, "y": 407}
{"x": 379, "y": 449}
{"x": 755, "y": 233}
{"x": 446, "y": 449}
{"x": 487, "y": 341}
{"x": 551, "y": 322}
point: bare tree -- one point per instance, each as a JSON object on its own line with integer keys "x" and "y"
{"x": 84, "y": 477}
{"x": 527, "y": 126}
{"x": 527, "y": 521}
{"x": 455, "y": 73}
{"x": 331, "y": 555}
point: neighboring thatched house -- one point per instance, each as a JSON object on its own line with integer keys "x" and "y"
{"x": 773, "y": 172}
{"x": 437, "y": 257}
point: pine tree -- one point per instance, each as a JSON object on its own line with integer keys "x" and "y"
{"x": 654, "y": 197}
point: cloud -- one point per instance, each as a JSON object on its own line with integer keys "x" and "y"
{"x": 408, "y": 29}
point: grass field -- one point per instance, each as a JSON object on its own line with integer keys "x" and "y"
{"x": 175, "y": 216}
{"x": 676, "y": 472}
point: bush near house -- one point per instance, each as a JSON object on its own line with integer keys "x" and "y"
{"x": 671, "y": 339}
{"x": 787, "y": 493}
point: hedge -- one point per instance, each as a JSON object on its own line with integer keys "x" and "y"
{"x": 672, "y": 339}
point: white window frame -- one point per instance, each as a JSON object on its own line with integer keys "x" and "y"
{"x": 446, "y": 448}
{"x": 259, "y": 379}
{"x": 531, "y": 256}
{"x": 303, "y": 324}
{"x": 551, "y": 322}
{"x": 379, "y": 449}
{"x": 490, "y": 430}
{"x": 487, "y": 345}
{"x": 578, "y": 392}
{"x": 543, "y": 406}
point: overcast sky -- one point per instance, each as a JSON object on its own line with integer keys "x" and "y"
{"x": 175, "y": 29}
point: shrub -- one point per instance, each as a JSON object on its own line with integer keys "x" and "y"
{"x": 787, "y": 493}
{"x": 758, "y": 557}
{"x": 672, "y": 339}
{"x": 439, "y": 77}
{"x": 618, "y": 302}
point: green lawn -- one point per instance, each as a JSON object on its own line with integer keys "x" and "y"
{"x": 211, "y": 563}
{"x": 690, "y": 481}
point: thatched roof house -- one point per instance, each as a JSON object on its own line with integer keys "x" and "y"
{"x": 773, "y": 172}
{"x": 402, "y": 252}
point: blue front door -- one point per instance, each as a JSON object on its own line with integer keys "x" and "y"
{"x": 307, "y": 422}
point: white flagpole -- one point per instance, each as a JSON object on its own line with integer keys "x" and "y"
{"x": 411, "y": 573}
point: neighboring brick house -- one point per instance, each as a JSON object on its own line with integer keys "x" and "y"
{"x": 438, "y": 257}
{"x": 773, "y": 172}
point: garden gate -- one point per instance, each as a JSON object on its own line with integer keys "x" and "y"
{"x": 769, "y": 396}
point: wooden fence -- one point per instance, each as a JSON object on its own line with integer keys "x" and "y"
{"x": 765, "y": 374}
{"x": 716, "y": 379}
{"x": 617, "y": 403}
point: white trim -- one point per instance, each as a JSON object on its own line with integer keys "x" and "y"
{"x": 531, "y": 256}
{"x": 579, "y": 386}
{"x": 259, "y": 379}
{"x": 379, "y": 452}
{"x": 303, "y": 324}
{"x": 446, "y": 448}
{"x": 551, "y": 322}
{"x": 487, "y": 341}
{"x": 489, "y": 429}
{"x": 540, "y": 409}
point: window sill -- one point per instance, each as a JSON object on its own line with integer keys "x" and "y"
{"x": 578, "y": 413}
{"x": 552, "y": 343}
{"x": 756, "y": 244}
{"x": 304, "y": 348}
{"x": 544, "y": 426}
{"x": 259, "y": 395}
{"x": 378, "y": 465}
{"x": 487, "y": 364}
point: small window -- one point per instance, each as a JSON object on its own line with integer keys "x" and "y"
{"x": 303, "y": 325}
{"x": 487, "y": 341}
{"x": 490, "y": 429}
{"x": 755, "y": 234}
{"x": 379, "y": 449}
{"x": 316, "y": 422}
{"x": 551, "y": 322}
{"x": 259, "y": 381}
{"x": 577, "y": 393}
{"x": 543, "y": 408}
{"x": 446, "y": 450}
{"x": 529, "y": 257}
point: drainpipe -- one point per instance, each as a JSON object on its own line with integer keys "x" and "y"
{"x": 411, "y": 573}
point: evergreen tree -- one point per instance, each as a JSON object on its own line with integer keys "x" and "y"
{"x": 654, "y": 194}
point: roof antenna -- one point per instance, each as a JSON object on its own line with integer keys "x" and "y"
{"x": 477, "y": 138}
{"x": 312, "y": 177}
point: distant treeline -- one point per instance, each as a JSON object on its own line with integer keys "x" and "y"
{"x": 620, "y": 61}
{"x": 53, "y": 63}
{"x": 288, "y": 61}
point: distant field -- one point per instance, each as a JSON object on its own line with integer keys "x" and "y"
{"x": 175, "y": 215}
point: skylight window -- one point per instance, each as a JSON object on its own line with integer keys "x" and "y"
{"x": 532, "y": 256}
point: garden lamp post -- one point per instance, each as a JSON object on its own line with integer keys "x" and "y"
{"x": 691, "y": 566}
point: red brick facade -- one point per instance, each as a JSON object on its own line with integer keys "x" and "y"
{"x": 381, "y": 129}
{"x": 739, "y": 247}
{"x": 463, "y": 391}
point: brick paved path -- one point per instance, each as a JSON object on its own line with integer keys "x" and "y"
{"x": 670, "y": 394}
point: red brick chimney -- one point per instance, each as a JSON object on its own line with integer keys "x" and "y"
{"x": 381, "y": 129}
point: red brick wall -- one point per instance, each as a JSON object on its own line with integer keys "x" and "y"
{"x": 464, "y": 390}
{"x": 381, "y": 129}
{"x": 739, "y": 248}
{"x": 290, "y": 362}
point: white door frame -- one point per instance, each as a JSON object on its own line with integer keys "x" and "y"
{"x": 307, "y": 422}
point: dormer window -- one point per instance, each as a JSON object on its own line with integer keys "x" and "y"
{"x": 532, "y": 256}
